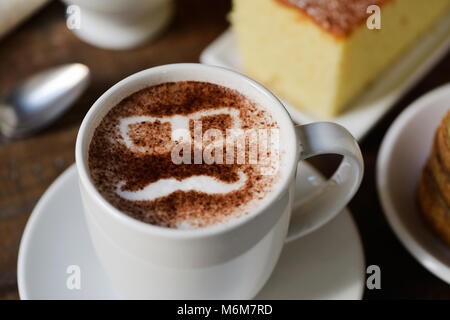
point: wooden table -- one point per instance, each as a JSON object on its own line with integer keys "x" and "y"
{"x": 28, "y": 167}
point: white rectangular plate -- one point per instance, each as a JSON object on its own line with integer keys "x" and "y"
{"x": 365, "y": 111}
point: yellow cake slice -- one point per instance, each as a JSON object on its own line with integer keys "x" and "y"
{"x": 320, "y": 54}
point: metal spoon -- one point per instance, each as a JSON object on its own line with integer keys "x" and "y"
{"x": 42, "y": 98}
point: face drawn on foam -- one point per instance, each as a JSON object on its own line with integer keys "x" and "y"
{"x": 180, "y": 131}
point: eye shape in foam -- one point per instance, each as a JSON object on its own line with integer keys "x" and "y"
{"x": 179, "y": 124}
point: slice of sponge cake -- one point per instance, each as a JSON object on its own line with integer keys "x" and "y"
{"x": 319, "y": 54}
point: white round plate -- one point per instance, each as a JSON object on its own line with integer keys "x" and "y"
{"x": 328, "y": 264}
{"x": 403, "y": 153}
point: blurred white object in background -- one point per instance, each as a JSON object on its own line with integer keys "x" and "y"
{"x": 12, "y": 12}
{"x": 118, "y": 24}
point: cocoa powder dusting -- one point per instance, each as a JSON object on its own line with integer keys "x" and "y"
{"x": 340, "y": 17}
{"x": 112, "y": 162}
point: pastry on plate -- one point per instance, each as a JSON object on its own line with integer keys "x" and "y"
{"x": 434, "y": 185}
{"x": 443, "y": 141}
{"x": 439, "y": 173}
{"x": 320, "y": 54}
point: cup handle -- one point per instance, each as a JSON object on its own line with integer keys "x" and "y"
{"x": 333, "y": 195}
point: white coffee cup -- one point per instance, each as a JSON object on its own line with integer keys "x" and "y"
{"x": 230, "y": 261}
{"x": 118, "y": 24}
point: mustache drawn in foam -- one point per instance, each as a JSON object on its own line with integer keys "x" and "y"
{"x": 180, "y": 131}
{"x": 165, "y": 187}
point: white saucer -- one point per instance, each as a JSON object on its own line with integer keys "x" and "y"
{"x": 379, "y": 98}
{"x": 328, "y": 264}
{"x": 402, "y": 156}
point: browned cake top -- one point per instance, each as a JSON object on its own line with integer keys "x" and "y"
{"x": 339, "y": 17}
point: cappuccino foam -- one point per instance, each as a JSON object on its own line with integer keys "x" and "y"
{"x": 131, "y": 156}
